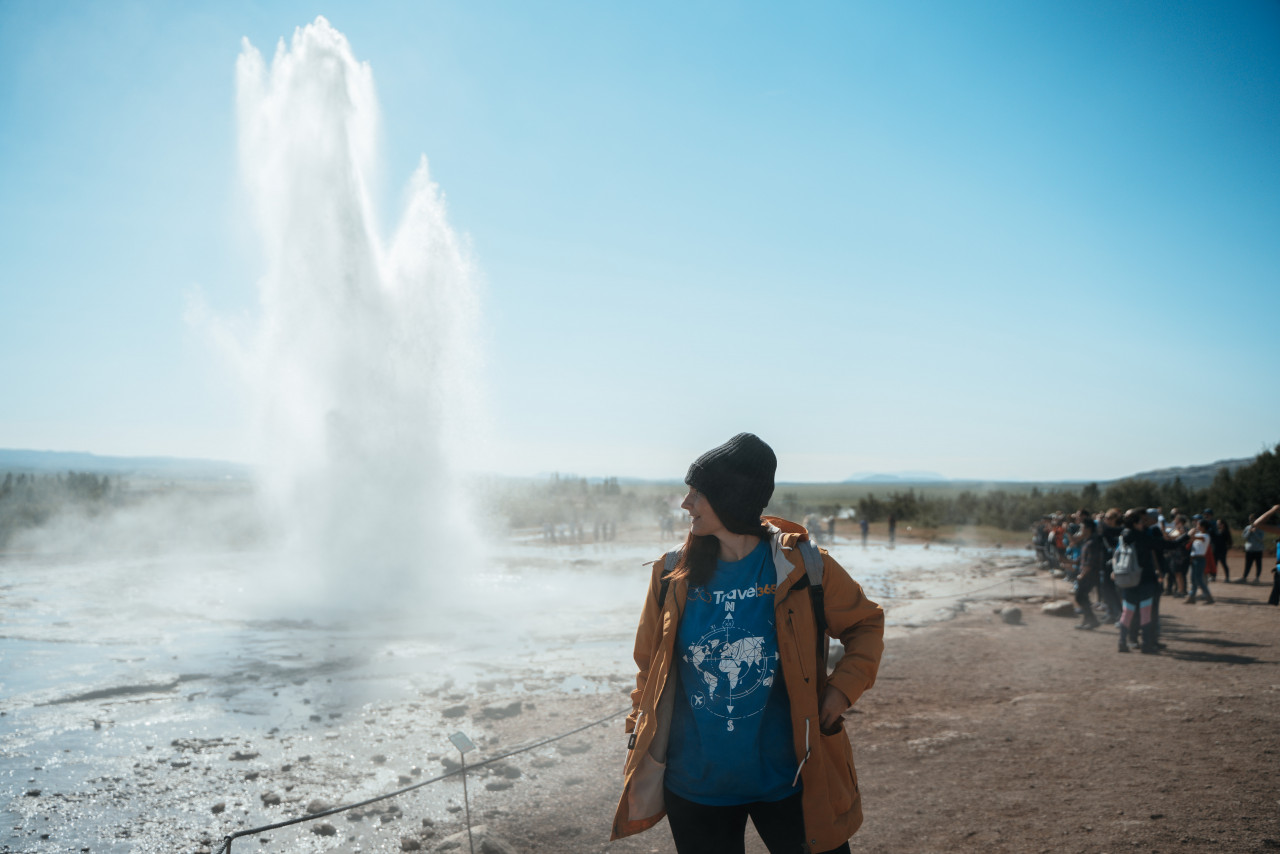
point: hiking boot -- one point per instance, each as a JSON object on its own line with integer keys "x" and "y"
{"x": 1124, "y": 647}
{"x": 1190, "y": 600}
{"x": 1149, "y": 650}
{"x": 1208, "y": 600}
{"x": 1088, "y": 626}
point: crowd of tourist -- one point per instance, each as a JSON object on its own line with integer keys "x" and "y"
{"x": 1129, "y": 560}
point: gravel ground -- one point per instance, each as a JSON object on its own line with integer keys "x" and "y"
{"x": 979, "y": 736}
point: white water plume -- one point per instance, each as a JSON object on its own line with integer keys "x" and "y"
{"x": 363, "y": 366}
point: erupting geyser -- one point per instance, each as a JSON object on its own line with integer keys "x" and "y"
{"x": 362, "y": 367}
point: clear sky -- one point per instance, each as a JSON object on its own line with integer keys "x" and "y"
{"x": 996, "y": 240}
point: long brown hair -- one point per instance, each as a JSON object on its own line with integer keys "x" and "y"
{"x": 698, "y": 557}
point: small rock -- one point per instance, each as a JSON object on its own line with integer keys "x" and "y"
{"x": 324, "y": 829}
{"x": 218, "y": 808}
{"x": 318, "y": 805}
{"x": 315, "y": 719}
{"x": 572, "y": 747}
{"x": 243, "y": 756}
{"x": 485, "y": 842}
{"x": 498, "y": 711}
{"x": 271, "y": 799}
{"x": 1011, "y": 615}
{"x": 379, "y": 759}
{"x": 250, "y": 775}
{"x": 1060, "y": 608}
{"x": 499, "y": 785}
{"x": 428, "y": 822}
{"x": 204, "y": 849}
{"x": 404, "y": 779}
{"x": 454, "y": 712}
{"x": 33, "y": 793}
{"x": 408, "y": 843}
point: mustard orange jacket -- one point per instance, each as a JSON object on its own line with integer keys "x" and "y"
{"x": 832, "y": 803}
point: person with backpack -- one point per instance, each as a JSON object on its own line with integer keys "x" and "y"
{"x": 1133, "y": 567}
{"x": 1201, "y": 547}
{"x": 734, "y": 714}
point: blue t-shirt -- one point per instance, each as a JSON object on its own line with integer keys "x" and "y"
{"x": 731, "y": 725}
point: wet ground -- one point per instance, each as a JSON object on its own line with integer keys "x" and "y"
{"x": 156, "y": 704}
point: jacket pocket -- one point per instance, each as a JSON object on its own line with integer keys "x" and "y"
{"x": 644, "y": 795}
{"x": 837, "y": 771}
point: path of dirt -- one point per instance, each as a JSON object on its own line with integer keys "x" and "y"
{"x": 982, "y": 736}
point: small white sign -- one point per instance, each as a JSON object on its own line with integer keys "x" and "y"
{"x": 461, "y": 742}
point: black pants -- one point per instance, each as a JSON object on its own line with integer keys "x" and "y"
{"x": 1275, "y": 590}
{"x": 1252, "y": 559}
{"x": 701, "y": 829}
{"x": 1084, "y": 584}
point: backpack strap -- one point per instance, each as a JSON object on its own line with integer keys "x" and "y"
{"x": 669, "y": 561}
{"x": 813, "y": 574}
{"x": 813, "y": 580}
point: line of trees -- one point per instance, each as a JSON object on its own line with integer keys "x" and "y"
{"x": 28, "y": 501}
{"x": 1233, "y": 497}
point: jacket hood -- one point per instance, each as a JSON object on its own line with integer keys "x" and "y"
{"x": 787, "y": 527}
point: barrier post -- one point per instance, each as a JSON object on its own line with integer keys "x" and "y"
{"x": 464, "y": 744}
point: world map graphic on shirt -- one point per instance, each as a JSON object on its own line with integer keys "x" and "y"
{"x": 736, "y": 672}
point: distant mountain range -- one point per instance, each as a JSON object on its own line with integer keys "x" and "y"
{"x": 1195, "y": 477}
{"x": 895, "y": 477}
{"x": 47, "y": 462}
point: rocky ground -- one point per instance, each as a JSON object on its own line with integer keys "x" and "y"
{"x": 981, "y": 735}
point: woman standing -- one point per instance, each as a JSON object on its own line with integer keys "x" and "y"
{"x": 734, "y": 715}
{"x": 1200, "y": 548}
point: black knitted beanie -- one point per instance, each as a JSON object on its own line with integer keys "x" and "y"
{"x": 737, "y": 478}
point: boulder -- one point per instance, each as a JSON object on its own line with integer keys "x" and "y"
{"x": 498, "y": 711}
{"x": 485, "y": 842}
{"x": 1059, "y": 608}
{"x": 1011, "y": 615}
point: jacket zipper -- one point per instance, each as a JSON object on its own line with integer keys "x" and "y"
{"x": 796, "y": 779}
{"x": 631, "y": 742}
{"x": 796, "y": 640}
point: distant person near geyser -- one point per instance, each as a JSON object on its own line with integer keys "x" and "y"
{"x": 734, "y": 715}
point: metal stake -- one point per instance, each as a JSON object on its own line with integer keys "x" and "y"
{"x": 464, "y": 744}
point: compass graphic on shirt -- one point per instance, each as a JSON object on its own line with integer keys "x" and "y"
{"x": 735, "y": 671}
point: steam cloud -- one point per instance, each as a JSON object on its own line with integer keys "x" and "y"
{"x": 363, "y": 367}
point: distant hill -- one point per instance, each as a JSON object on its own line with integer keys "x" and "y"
{"x": 895, "y": 477}
{"x": 1195, "y": 477}
{"x": 50, "y": 462}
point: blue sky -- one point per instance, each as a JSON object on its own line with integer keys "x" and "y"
{"x": 1002, "y": 240}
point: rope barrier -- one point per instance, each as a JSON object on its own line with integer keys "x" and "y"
{"x": 952, "y": 595}
{"x": 225, "y": 847}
